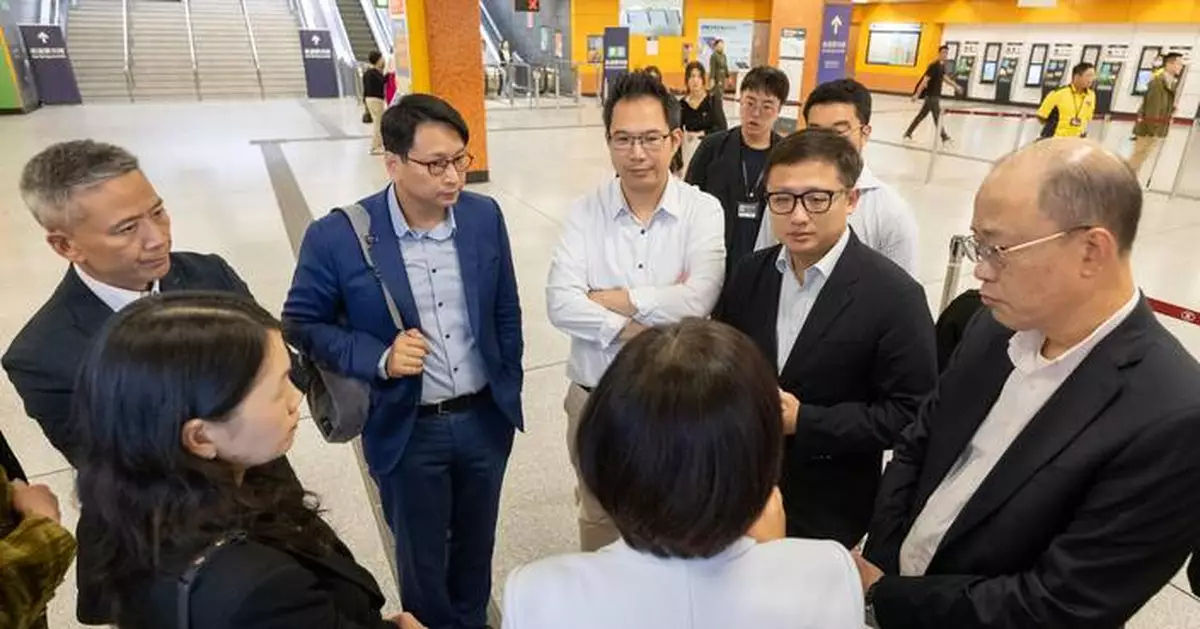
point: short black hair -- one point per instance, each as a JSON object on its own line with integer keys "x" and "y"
{"x": 374, "y": 56}
{"x": 400, "y": 121}
{"x": 641, "y": 84}
{"x": 1171, "y": 56}
{"x": 943, "y": 48}
{"x": 681, "y": 441}
{"x": 1082, "y": 67}
{"x": 653, "y": 70}
{"x": 768, "y": 80}
{"x": 821, "y": 145}
{"x": 694, "y": 65}
{"x": 846, "y": 91}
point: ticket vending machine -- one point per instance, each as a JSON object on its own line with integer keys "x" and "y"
{"x": 1004, "y": 79}
{"x": 963, "y": 69}
{"x": 1108, "y": 74}
{"x": 1052, "y": 79}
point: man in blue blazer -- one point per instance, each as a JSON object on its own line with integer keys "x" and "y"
{"x": 446, "y": 389}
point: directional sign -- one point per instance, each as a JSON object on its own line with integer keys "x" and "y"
{"x": 50, "y": 65}
{"x": 835, "y": 39}
{"x": 320, "y": 73}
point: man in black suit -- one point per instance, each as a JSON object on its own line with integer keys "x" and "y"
{"x": 850, "y": 332}
{"x": 103, "y": 216}
{"x": 1051, "y": 481}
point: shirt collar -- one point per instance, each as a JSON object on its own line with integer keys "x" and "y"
{"x": 867, "y": 180}
{"x": 114, "y": 297}
{"x": 824, "y": 267}
{"x": 669, "y": 203}
{"x": 1025, "y": 347}
{"x": 443, "y": 231}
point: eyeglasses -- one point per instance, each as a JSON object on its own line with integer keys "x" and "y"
{"x": 995, "y": 254}
{"x": 813, "y": 201}
{"x": 843, "y": 130}
{"x": 765, "y": 107}
{"x": 651, "y": 142}
{"x": 437, "y": 168}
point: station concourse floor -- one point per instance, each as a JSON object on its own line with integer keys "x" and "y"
{"x": 241, "y": 179}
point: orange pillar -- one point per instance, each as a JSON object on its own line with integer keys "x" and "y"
{"x": 805, "y": 14}
{"x": 447, "y": 60}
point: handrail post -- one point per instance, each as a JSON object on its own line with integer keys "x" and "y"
{"x": 535, "y": 87}
{"x": 937, "y": 145}
{"x": 1182, "y": 161}
{"x": 557, "y": 85}
{"x": 128, "y": 68}
{"x": 187, "y": 18}
{"x": 953, "y": 270}
{"x": 1104, "y": 129}
{"x": 262, "y": 91}
{"x": 1158, "y": 151}
{"x": 1020, "y": 132}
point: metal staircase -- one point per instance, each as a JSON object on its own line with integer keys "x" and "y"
{"x": 362, "y": 40}
{"x": 96, "y": 35}
{"x": 163, "y": 58}
{"x": 226, "y": 55}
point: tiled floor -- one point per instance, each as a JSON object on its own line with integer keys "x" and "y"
{"x": 214, "y": 179}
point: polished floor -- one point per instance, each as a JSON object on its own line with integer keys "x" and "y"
{"x": 241, "y": 178}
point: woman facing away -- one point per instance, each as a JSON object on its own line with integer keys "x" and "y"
{"x": 181, "y": 395}
{"x": 681, "y": 443}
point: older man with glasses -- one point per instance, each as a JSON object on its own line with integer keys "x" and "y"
{"x": 1051, "y": 481}
{"x": 848, "y": 331}
{"x": 643, "y": 249}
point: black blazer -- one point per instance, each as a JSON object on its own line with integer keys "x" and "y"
{"x": 860, "y": 367}
{"x": 42, "y": 363}
{"x": 716, "y": 168}
{"x": 1088, "y": 514}
{"x": 251, "y": 585}
{"x": 8, "y": 461}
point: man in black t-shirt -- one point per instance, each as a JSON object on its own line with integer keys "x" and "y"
{"x": 374, "y": 85}
{"x": 930, "y": 88}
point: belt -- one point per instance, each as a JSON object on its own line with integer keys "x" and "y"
{"x": 454, "y": 405}
{"x": 585, "y": 389}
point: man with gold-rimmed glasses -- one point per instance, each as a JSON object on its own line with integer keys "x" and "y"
{"x": 849, "y": 331}
{"x": 446, "y": 381}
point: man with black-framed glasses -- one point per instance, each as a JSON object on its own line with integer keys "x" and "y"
{"x": 1051, "y": 480}
{"x": 446, "y": 384}
{"x": 849, "y": 331}
{"x": 644, "y": 249}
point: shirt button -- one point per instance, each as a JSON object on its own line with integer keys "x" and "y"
{"x": 640, "y": 265}
{"x": 447, "y": 336}
{"x": 643, "y": 232}
{"x": 434, "y": 271}
{"x": 440, "y": 304}
{"x": 456, "y": 370}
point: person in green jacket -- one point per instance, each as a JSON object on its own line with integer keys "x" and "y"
{"x": 1157, "y": 109}
{"x": 718, "y": 67}
{"x": 35, "y": 552}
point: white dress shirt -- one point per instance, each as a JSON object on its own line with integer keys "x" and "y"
{"x": 1032, "y": 381}
{"x": 883, "y": 221}
{"x": 112, "y": 296}
{"x": 786, "y": 584}
{"x": 796, "y": 300}
{"x": 673, "y": 267}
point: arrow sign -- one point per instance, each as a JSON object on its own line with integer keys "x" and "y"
{"x": 836, "y": 23}
{"x": 316, "y": 39}
{"x": 43, "y": 37}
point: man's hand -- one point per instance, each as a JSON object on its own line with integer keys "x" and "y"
{"x": 631, "y": 329}
{"x": 868, "y": 572}
{"x": 772, "y": 524}
{"x": 616, "y": 299}
{"x": 408, "y": 354}
{"x": 35, "y": 501}
{"x": 791, "y": 411}
{"x": 406, "y": 621}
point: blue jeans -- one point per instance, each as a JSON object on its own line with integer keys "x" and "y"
{"x": 441, "y": 502}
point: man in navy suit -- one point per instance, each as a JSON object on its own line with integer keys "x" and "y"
{"x": 446, "y": 389}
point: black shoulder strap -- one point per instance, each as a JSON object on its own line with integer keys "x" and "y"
{"x": 189, "y": 576}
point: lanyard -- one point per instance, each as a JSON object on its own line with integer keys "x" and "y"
{"x": 750, "y": 192}
{"x": 1078, "y": 102}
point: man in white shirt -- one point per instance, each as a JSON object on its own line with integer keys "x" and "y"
{"x": 1051, "y": 481}
{"x": 883, "y": 220}
{"x": 643, "y": 249}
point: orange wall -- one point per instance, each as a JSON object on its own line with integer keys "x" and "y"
{"x": 934, "y": 15}
{"x": 590, "y": 17}
{"x": 806, "y": 14}
{"x": 455, "y": 73}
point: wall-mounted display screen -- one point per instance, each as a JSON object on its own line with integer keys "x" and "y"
{"x": 951, "y": 50}
{"x": 1091, "y": 54}
{"x": 991, "y": 61}
{"x": 1149, "y": 61}
{"x": 891, "y": 44}
{"x": 653, "y": 17}
{"x": 1037, "y": 65}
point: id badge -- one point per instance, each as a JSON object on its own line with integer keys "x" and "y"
{"x": 1076, "y": 122}
{"x": 748, "y": 209}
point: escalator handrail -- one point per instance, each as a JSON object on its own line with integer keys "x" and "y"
{"x": 262, "y": 91}
{"x": 125, "y": 41}
{"x": 187, "y": 19}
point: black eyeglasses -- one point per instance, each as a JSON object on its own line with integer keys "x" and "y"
{"x": 813, "y": 201}
{"x": 437, "y": 168}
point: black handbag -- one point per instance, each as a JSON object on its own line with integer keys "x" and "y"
{"x": 340, "y": 404}
{"x": 183, "y": 605}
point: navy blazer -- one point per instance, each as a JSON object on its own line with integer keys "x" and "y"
{"x": 335, "y": 312}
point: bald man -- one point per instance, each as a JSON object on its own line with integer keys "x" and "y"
{"x": 1052, "y": 480}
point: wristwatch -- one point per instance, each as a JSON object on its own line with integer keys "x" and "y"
{"x": 869, "y": 605}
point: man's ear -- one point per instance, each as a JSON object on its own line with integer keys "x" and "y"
{"x": 64, "y": 246}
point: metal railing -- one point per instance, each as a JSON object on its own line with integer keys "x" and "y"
{"x": 532, "y": 83}
{"x": 126, "y": 36}
{"x": 262, "y": 91}
{"x": 187, "y": 18}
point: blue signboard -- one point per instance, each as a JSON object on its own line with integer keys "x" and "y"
{"x": 50, "y": 65}
{"x": 835, "y": 39}
{"x": 320, "y": 73}
{"x": 616, "y": 54}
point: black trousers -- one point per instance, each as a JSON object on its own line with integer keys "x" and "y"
{"x": 933, "y": 105}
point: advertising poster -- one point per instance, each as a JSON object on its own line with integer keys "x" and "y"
{"x": 792, "y": 42}
{"x": 738, "y": 36}
{"x": 595, "y": 48}
{"x": 558, "y": 44}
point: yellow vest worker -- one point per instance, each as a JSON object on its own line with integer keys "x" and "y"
{"x": 1067, "y": 110}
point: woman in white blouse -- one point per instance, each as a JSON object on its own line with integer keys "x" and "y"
{"x": 681, "y": 444}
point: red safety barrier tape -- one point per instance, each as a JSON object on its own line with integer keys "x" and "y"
{"x": 987, "y": 113}
{"x": 1173, "y": 311}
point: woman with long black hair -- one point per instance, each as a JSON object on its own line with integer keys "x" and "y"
{"x": 182, "y": 394}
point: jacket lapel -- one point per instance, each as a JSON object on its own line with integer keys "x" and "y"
{"x": 1075, "y": 405}
{"x": 835, "y": 297}
{"x": 466, "y": 244}
{"x": 89, "y": 312}
{"x": 173, "y": 280}
{"x": 389, "y": 261}
{"x": 762, "y": 312}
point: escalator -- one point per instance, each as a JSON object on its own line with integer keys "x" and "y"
{"x": 358, "y": 30}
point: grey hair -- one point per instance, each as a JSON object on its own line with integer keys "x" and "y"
{"x": 53, "y": 177}
{"x": 1095, "y": 188}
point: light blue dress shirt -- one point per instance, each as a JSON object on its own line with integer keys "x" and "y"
{"x": 796, "y": 300}
{"x": 453, "y": 366}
